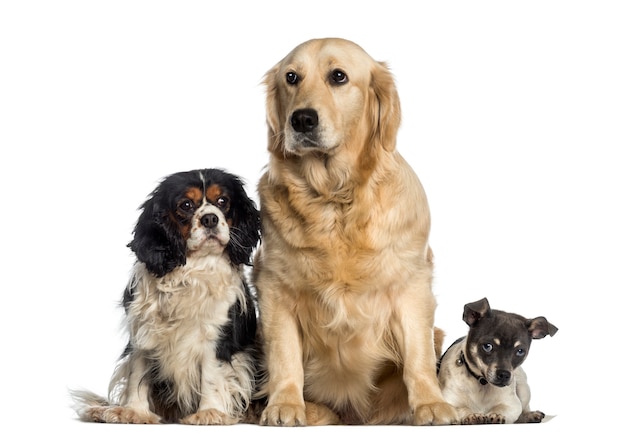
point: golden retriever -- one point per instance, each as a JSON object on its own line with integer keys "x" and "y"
{"x": 344, "y": 271}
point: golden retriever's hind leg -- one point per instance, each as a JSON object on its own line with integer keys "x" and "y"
{"x": 319, "y": 415}
{"x": 390, "y": 405}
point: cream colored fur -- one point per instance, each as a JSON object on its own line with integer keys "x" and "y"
{"x": 345, "y": 269}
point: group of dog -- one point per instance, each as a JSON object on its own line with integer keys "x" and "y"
{"x": 335, "y": 322}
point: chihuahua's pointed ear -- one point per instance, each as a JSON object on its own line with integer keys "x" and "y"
{"x": 475, "y": 311}
{"x": 540, "y": 328}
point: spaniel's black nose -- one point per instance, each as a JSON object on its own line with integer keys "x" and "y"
{"x": 304, "y": 120}
{"x": 209, "y": 220}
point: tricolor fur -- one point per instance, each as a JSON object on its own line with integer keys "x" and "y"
{"x": 189, "y": 313}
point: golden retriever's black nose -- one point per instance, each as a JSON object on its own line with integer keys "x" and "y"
{"x": 209, "y": 220}
{"x": 304, "y": 120}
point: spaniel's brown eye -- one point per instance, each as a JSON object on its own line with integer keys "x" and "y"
{"x": 222, "y": 202}
{"x": 292, "y": 78}
{"x": 186, "y": 205}
{"x": 338, "y": 77}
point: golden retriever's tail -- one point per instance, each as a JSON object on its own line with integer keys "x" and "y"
{"x": 439, "y": 336}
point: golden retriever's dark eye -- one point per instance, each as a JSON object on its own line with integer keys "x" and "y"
{"x": 338, "y": 77}
{"x": 292, "y": 78}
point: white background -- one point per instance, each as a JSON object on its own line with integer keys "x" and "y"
{"x": 514, "y": 117}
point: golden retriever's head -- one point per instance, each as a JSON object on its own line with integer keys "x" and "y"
{"x": 328, "y": 95}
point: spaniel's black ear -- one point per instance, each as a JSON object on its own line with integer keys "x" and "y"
{"x": 245, "y": 232}
{"x": 157, "y": 241}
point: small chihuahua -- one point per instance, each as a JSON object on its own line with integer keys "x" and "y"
{"x": 481, "y": 373}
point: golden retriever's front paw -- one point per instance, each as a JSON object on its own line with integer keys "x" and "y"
{"x": 209, "y": 417}
{"x": 437, "y": 413}
{"x": 284, "y": 415}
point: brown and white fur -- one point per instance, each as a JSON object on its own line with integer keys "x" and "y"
{"x": 344, "y": 271}
{"x": 189, "y": 313}
{"x": 481, "y": 374}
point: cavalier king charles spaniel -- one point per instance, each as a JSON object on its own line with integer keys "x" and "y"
{"x": 191, "y": 356}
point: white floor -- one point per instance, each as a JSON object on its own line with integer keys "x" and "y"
{"x": 553, "y": 428}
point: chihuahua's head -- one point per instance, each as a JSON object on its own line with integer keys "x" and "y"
{"x": 498, "y": 342}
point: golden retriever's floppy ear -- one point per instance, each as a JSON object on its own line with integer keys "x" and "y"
{"x": 384, "y": 107}
{"x": 273, "y": 109}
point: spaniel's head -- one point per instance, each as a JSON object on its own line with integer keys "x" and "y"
{"x": 196, "y": 213}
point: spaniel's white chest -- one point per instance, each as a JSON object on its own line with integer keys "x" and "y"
{"x": 188, "y": 305}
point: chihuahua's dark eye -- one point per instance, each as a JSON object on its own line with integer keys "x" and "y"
{"x": 520, "y": 352}
{"x": 338, "y": 77}
{"x": 186, "y": 205}
{"x": 487, "y": 348}
{"x": 292, "y": 78}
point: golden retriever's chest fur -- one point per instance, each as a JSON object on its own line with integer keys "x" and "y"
{"x": 344, "y": 264}
{"x": 344, "y": 270}
{"x": 348, "y": 342}
{"x": 346, "y": 242}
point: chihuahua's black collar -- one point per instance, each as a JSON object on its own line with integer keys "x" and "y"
{"x": 480, "y": 379}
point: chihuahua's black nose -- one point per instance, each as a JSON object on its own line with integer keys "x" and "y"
{"x": 304, "y": 120}
{"x": 209, "y": 220}
{"x": 503, "y": 376}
